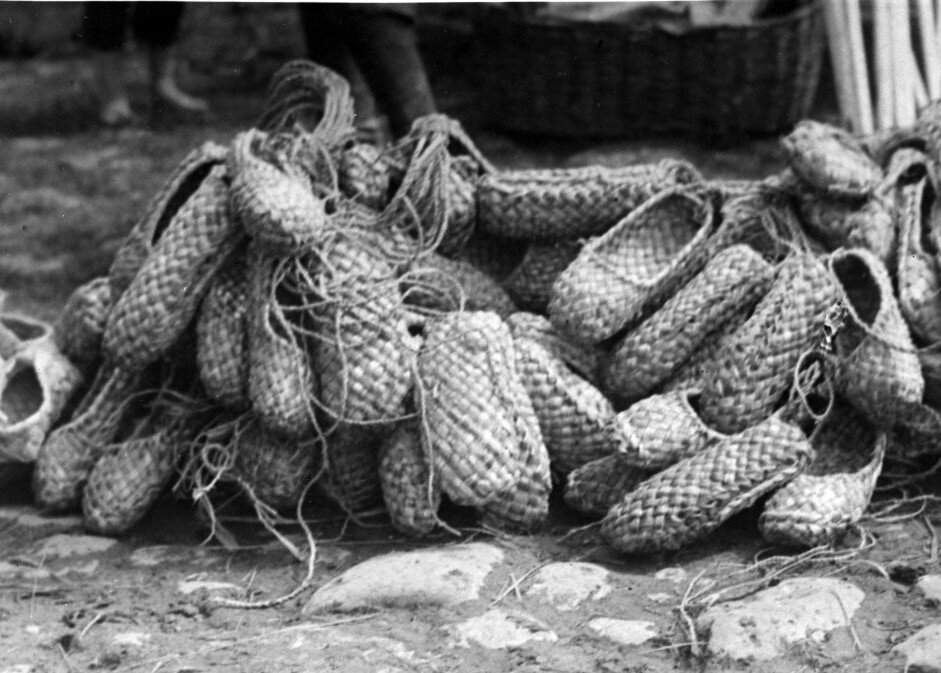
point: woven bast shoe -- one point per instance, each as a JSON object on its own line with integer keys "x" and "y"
{"x": 80, "y": 327}
{"x": 596, "y": 487}
{"x": 36, "y": 383}
{"x": 634, "y": 267}
{"x": 352, "y": 476}
{"x": 834, "y": 491}
{"x": 919, "y": 283}
{"x": 530, "y": 284}
{"x": 754, "y": 367}
{"x": 690, "y": 499}
{"x": 667, "y": 428}
{"x": 734, "y": 280}
{"x": 361, "y": 344}
{"x": 831, "y": 160}
{"x": 273, "y": 469}
{"x": 466, "y": 393}
{"x": 130, "y": 475}
{"x": 546, "y": 205}
{"x": 577, "y": 422}
{"x": 878, "y": 370}
{"x": 364, "y": 175}
{"x": 222, "y": 352}
{"x": 581, "y": 359}
{"x": 438, "y": 283}
{"x": 412, "y": 497}
{"x": 281, "y": 383}
{"x": 275, "y": 204}
{"x": 840, "y": 223}
{"x": 185, "y": 180}
{"x": 917, "y": 435}
{"x": 165, "y": 294}
{"x": 69, "y": 453}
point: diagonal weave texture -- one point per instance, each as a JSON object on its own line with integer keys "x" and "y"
{"x": 831, "y": 160}
{"x": 461, "y": 191}
{"x": 275, "y": 205}
{"x": 545, "y": 205}
{"x": 838, "y": 222}
{"x": 275, "y": 469}
{"x": 81, "y": 324}
{"x": 362, "y": 347}
{"x": 878, "y": 370}
{"x": 465, "y": 391}
{"x": 363, "y": 175}
{"x": 580, "y": 358}
{"x": 129, "y": 478}
{"x": 411, "y": 500}
{"x": 834, "y": 492}
{"x": 530, "y": 284}
{"x": 577, "y": 422}
{"x": 667, "y": 429}
{"x": 596, "y": 487}
{"x": 438, "y": 283}
{"x": 754, "y": 367}
{"x": 281, "y": 384}
{"x": 917, "y": 435}
{"x": 692, "y": 498}
{"x": 182, "y": 184}
{"x": 71, "y": 450}
{"x": 352, "y": 477}
{"x": 222, "y": 335}
{"x": 164, "y": 296}
{"x": 634, "y": 266}
{"x": 734, "y": 280}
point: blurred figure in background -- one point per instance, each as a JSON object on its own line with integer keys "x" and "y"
{"x": 374, "y": 46}
{"x": 154, "y": 25}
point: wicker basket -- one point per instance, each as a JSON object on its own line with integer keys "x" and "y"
{"x": 575, "y": 78}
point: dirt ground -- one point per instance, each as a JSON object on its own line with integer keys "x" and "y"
{"x": 66, "y": 201}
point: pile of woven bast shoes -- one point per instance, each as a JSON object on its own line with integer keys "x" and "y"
{"x": 299, "y": 314}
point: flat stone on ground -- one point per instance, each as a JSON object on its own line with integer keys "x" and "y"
{"x": 63, "y": 546}
{"x": 930, "y": 587}
{"x": 11, "y": 571}
{"x": 624, "y": 631}
{"x": 192, "y": 585}
{"x": 445, "y": 576}
{"x": 767, "y": 624}
{"x": 567, "y": 585}
{"x": 922, "y": 650}
{"x": 675, "y": 575}
{"x": 30, "y": 517}
{"x": 497, "y": 629}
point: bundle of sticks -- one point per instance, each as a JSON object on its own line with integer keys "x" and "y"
{"x": 906, "y": 70}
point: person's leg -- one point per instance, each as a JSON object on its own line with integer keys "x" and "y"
{"x": 384, "y": 44}
{"x": 156, "y": 24}
{"x": 104, "y": 27}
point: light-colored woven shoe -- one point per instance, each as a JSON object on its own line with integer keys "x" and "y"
{"x": 273, "y": 469}
{"x": 362, "y": 348}
{"x": 80, "y": 327}
{"x": 689, "y": 500}
{"x": 411, "y": 495}
{"x": 465, "y": 391}
{"x": 442, "y": 284}
{"x": 222, "y": 353}
{"x": 363, "y": 175}
{"x": 734, "y": 280}
{"x": 634, "y": 267}
{"x": 36, "y": 383}
{"x": 577, "y": 422}
{"x": 546, "y": 205}
{"x": 878, "y": 369}
{"x": 919, "y": 283}
{"x": 754, "y": 367}
{"x": 580, "y": 358}
{"x": 821, "y": 503}
{"x": 275, "y": 204}
{"x": 70, "y": 451}
{"x": 129, "y": 477}
{"x": 185, "y": 180}
{"x": 530, "y": 284}
{"x": 667, "y": 428}
{"x": 840, "y": 223}
{"x": 281, "y": 383}
{"x": 165, "y": 294}
{"x": 596, "y": 487}
{"x": 831, "y": 160}
{"x": 352, "y": 476}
